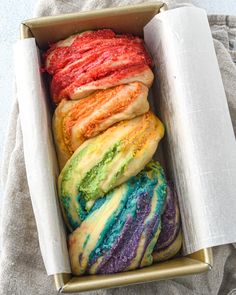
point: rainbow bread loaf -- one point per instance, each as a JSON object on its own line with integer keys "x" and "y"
{"x": 116, "y": 202}
{"x": 105, "y": 161}
{"x": 121, "y": 230}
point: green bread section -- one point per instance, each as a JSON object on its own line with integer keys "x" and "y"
{"x": 74, "y": 203}
{"x": 90, "y": 184}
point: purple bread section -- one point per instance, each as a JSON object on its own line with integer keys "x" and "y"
{"x": 125, "y": 248}
{"x": 170, "y": 221}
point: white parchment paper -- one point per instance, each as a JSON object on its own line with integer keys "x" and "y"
{"x": 39, "y": 154}
{"x": 199, "y": 134}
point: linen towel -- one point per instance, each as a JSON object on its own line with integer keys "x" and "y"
{"x": 21, "y": 267}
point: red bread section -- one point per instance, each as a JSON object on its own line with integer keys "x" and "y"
{"x": 84, "y": 63}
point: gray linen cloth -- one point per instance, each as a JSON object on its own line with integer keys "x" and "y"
{"x": 21, "y": 267}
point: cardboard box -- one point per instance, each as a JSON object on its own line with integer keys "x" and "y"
{"x": 130, "y": 19}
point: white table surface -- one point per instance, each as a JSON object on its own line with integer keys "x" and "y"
{"x": 13, "y": 12}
